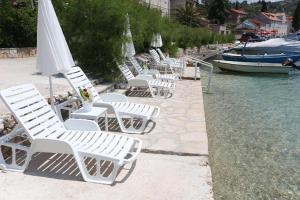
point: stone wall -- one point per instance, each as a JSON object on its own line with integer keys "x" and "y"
{"x": 17, "y": 52}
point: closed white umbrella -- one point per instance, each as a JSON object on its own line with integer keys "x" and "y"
{"x": 53, "y": 54}
{"x": 156, "y": 41}
{"x": 128, "y": 48}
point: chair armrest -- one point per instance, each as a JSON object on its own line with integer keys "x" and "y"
{"x": 150, "y": 71}
{"x": 138, "y": 82}
{"x": 136, "y": 152}
{"x": 113, "y": 97}
{"x": 81, "y": 125}
{"x": 144, "y": 77}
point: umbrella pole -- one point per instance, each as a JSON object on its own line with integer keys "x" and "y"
{"x": 51, "y": 94}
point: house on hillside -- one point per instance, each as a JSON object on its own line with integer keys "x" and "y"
{"x": 268, "y": 24}
{"x": 249, "y": 25}
{"x": 220, "y": 29}
{"x": 236, "y": 15}
{"x": 276, "y": 23}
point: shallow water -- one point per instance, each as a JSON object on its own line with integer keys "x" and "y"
{"x": 253, "y": 125}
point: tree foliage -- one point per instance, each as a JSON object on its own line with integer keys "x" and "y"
{"x": 94, "y": 30}
{"x": 217, "y": 11}
{"x": 188, "y": 15}
{"x": 264, "y": 6}
{"x": 17, "y": 26}
{"x": 296, "y": 17}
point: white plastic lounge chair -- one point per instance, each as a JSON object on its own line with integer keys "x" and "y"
{"x": 147, "y": 82}
{"x": 99, "y": 155}
{"x": 164, "y": 58}
{"x": 168, "y": 65}
{"x": 117, "y": 104}
{"x": 156, "y": 74}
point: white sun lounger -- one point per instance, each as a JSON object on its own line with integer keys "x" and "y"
{"x": 168, "y": 65}
{"x": 156, "y": 74}
{"x": 164, "y": 58}
{"x": 117, "y": 104}
{"x": 147, "y": 82}
{"x": 99, "y": 155}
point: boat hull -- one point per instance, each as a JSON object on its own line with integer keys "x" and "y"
{"x": 251, "y": 67}
{"x": 273, "y": 58}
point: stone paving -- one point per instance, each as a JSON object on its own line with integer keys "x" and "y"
{"x": 181, "y": 126}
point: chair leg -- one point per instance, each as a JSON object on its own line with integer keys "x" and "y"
{"x": 97, "y": 169}
{"x": 13, "y": 157}
{"x": 131, "y": 128}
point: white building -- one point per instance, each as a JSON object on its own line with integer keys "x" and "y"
{"x": 163, "y": 5}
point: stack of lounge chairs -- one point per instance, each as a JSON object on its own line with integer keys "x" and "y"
{"x": 168, "y": 65}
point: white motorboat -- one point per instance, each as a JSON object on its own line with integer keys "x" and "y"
{"x": 253, "y": 67}
{"x": 271, "y": 46}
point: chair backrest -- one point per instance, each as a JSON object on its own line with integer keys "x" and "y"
{"x": 32, "y": 112}
{"x": 161, "y": 54}
{"x": 126, "y": 72}
{"x": 136, "y": 65}
{"x": 155, "y": 56}
{"x": 77, "y": 79}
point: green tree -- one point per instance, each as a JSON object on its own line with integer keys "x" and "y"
{"x": 188, "y": 15}
{"x": 264, "y": 6}
{"x": 217, "y": 11}
{"x": 17, "y": 26}
{"x": 296, "y": 18}
{"x": 237, "y": 5}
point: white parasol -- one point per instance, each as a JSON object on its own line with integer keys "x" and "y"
{"x": 53, "y": 54}
{"x": 156, "y": 41}
{"x": 128, "y": 48}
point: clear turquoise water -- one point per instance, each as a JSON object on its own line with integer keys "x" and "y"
{"x": 253, "y": 125}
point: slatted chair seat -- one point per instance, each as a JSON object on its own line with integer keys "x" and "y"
{"x": 136, "y": 109}
{"x": 116, "y": 104}
{"x": 158, "y": 83}
{"x": 166, "y": 76}
{"x": 147, "y": 82}
{"x": 47, "y": 133}
{"x": 108, "y": 145}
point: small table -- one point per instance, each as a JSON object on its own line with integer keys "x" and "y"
{"x": 94, "y": 114}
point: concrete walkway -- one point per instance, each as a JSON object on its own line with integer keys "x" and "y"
{"x": 173, "y": 166}
{"x": 181, "y": 126}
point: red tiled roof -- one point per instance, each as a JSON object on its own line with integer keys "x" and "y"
{"x": 274, "y": 16}
{"x": 256, "y": 22}
{"x": 240, "y": 12}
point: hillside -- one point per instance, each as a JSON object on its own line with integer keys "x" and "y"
{"x": 287, "y": 6}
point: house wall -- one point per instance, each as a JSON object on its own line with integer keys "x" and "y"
{"x": 163, "y": 5}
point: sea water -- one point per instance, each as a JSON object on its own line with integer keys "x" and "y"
{"x": 253, "y": 124}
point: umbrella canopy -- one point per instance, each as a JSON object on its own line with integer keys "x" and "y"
{"x": 53, "y": 54}
{"x": 128, "y": 48}
{"x": 156, "y": 41}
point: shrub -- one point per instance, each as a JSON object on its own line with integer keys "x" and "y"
{"x": 94, "y": 31}
{"x": 17, "y": 26}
